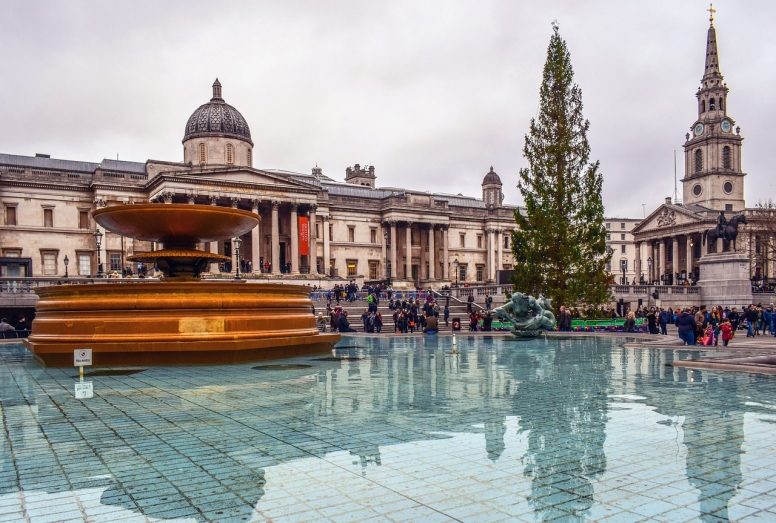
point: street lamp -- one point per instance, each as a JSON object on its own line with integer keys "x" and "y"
{"x": 237, "y": 242}
{"x": 457, "y": 264}
{"x": 649, "y": 266}
{"x": 98, "y": 241}
{"x": 387, "y": 274}
{"x": 66, "y": 260}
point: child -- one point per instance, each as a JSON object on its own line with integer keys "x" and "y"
{"x": 709, "y": 338}
{"x": 727, "y": 331}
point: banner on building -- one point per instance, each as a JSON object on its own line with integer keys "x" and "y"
{"x": 304, "y": 236}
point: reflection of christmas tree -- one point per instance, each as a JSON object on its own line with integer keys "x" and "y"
{"x": 564, "y": 411}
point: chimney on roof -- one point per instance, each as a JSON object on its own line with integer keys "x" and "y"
{"x": 41, "y": 155}
{"x": 668, "y": 200}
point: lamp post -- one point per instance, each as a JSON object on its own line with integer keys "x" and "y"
{"x": 98, "y": 241}
{"x": 649, "y": 268}
{"x": 66, "y": 260}
{"x": 456, "y": 264}
{"x": 387, "y": 274}
{"x": 237, "y": 242}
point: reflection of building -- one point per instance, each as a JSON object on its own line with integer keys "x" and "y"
{"x": 310, "y": 222}
{"x": 619, "y": 238}
{"x": 713, "y": 182}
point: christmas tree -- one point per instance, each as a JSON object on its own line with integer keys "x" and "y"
{"x": 560, "y": 246}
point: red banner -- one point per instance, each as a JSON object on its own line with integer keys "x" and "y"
{"x": 304, "y": 236}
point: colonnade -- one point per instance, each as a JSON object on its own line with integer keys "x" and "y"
{"x": 662, "y": 269}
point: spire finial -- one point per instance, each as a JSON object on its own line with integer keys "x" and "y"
{"x": 711, "y": 11}
{"x": 217, "y": 90}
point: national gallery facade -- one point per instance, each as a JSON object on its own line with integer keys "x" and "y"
{"x": 310, "y": 223}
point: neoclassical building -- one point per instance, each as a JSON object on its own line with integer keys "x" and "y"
{"x": 669, "y": 241}
{"x": 311, "y": 225}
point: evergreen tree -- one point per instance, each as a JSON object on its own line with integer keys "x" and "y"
{"x": 560, "y": 246}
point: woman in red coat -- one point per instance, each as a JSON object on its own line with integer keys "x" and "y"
{"x": 727, "y": 331}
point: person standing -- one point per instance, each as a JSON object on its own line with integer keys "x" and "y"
{"x": 652, "y": 321}
{"x": 469, "y": 302}
{"x": 630, "y": 323}
{"x": 726, "y": 328}
{"x": 663, "y": 319}
{"x": 686, "y": 325}
{"x": 488, "y": 301}
{"x": 751, "y": 320}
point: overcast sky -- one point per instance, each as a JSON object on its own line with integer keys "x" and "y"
{"x": 430, "y": 93}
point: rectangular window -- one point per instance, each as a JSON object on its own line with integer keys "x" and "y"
{"x": 372, "y": 235}
{"x": 728, "y": 206}
{"x": 462, "y": 238}
{"x": 49, "y": 263}
{"x": 331, "y": 232}
{"x": 622, "y": 226}
{"x": 479, "y": 241}
{"x": 115, "y": 261}
{"x": 622, "y": 248}
{"x": 84, "y": 264}
{"x": 83, "y": 219}
{"x": 609, "y": 267}
{"x": 373, "y": 267}
{"x": 48, "y": 217}
{"x": 622, "y": 237}
{"x": 317, "y": 231}
{"x": 506, "y": 241}
{"x": 608, "y": 237}
{"x": 608, "y": 225}
{"x": 10, "y": 215}
{"x": 480, "y": 270}
{"x": 352, "y": 265}
{"x": 462, "y": 272}
{"x": 352, "y": 234}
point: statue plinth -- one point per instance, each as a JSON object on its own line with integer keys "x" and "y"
{"x": 724, "y": 279}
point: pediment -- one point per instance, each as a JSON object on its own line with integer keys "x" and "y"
{"x": 253, "y": 176}
{"x": 667, "y": 216}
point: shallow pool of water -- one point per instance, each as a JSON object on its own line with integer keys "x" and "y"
{"x": 401, "y": 429}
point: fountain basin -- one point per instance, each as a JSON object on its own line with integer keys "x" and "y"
{"x": 172, "y": 323}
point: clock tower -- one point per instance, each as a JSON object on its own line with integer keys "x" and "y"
{"x": 712, "y": 151}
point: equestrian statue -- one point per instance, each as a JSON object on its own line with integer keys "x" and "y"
{"x": 727, "y": 230}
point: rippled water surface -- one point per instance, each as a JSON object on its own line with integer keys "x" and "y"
{"x": 396, "y": 429}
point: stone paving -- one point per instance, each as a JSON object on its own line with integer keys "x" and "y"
{"x": 394, "y": 429}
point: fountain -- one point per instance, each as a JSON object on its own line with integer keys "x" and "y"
{"x": 180, "y": 320}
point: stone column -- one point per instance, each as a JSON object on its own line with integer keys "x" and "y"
{"x": 445, "y": 260}
{"x": 384, "y": 243}
{"x": 408, "y": 254}
{"x": 500, "y": 255}
{"x": 431, "y": 254}
{"x": 490, "y": 236}
{"x": 275, "y": 242}
{"x": 393, "y": 249}
{"x": 213, "y": 247}
{"x": 235, "y": 261}
{"x": 256, "y": 240}
{"x": 663, "y": 258}
{"x": 294, "y": 239}
{"x": 689, "y": 255}
{"x": 675, "y": 258}
{"x": 656, "y": 264}
{"x": 313, "y": 240}
{"x": 637, "y": 264}
{"x": 326, "y": 246}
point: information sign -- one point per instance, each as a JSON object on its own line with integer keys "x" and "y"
{"x": 84, "y": 390}
{"x": 82, "y": 357}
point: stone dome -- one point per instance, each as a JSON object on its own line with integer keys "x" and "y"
{"x": 217, "y": 118}
{"x": 491, "y": 177}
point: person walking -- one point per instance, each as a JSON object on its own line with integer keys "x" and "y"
{"x": 751, "y": 320}
{"x": 447, "y": 314}
{"x": 469, "y": 302}
{"x": 726, "y": 328}
{"x": 630, "y": 323}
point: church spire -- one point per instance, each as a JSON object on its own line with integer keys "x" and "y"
{"x": 712, "y": 59}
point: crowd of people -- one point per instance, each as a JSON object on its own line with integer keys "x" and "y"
{"x": 18, "y": 327}
{"x": 701, "y": 326}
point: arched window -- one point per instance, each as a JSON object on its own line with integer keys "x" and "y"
{"x": 202, "y": 157}
{"x": 720, "y": 104}
{"x": 698, "y": 160}
{"x": 229, "y": 154}
{"x": 703, "y": 106}
{"x": 250, "y": 158}
{"x": 726, "y": 163}
{"x": 711, "y": 104}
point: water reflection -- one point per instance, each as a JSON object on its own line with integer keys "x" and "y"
{"x": 198, "y": 442}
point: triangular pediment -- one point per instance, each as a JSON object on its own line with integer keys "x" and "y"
{"x": 665, "y": 216}
{"x": 251, "y": 176}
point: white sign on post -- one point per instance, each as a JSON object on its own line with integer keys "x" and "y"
{"x": 82, "y": 357}
{"x": 84, "y": 390}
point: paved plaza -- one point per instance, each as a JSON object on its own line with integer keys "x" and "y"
{"x": 394, "y": 429}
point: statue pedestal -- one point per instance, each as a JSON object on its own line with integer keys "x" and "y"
{"x": 724, "y": 280}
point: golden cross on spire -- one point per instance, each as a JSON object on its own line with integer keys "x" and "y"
{"x": 711, "y": 11}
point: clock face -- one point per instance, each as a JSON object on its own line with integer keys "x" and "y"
{"x": 699, "y": 129}
{"x": 726, "y": 126}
